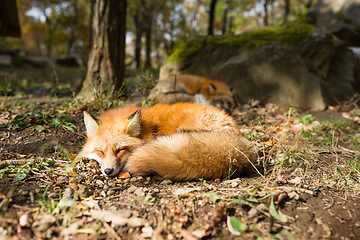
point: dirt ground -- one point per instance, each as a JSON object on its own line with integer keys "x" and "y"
{"x": 306, "y": 185}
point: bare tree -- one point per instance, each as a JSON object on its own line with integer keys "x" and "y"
{"x": 266, "y": 14}
{"x": 72, "y": 43}
{"x": 106, "y": 66}
{"x": 287, "y": 11}
{"x": 138, "y": 35}
{"x": 211, "y": 17}
{"x": 224, "y": 19}
{"x": 148, "y": 14}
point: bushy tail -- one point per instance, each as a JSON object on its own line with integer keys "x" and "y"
{"x": 188, "y": 156}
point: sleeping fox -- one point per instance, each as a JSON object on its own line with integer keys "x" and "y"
{"x": 194, "y": 88}
{"x": 181, "y": 142}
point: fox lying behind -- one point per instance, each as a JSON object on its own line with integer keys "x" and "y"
{"x": 194, "y": 88}
{"x": 181, "y": 142}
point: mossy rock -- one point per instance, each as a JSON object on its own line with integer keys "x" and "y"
{"x": 291, "y": 34}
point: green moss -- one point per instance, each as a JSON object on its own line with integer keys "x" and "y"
{"x": 292, "y": 33}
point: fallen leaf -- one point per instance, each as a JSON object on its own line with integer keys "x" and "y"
{"x": 72, "y": 156}
{"x": 135, "y": 222}
{"x": 118, "y": 217}
{"x": 124, "y": 175}
{"x": 346, "y": 115}
{"x": 187, "y": 235}
{"x": 235, "y": 226}
{"x": 2, "y": 195}
{"x": 296, "y": 180}
{"x": 269, "y": 141}
{"x": 182, "y": 191}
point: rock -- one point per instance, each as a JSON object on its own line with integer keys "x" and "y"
{"x": 53, "y": 195}
{"x": 62, "y": 179}
{"x": 147, "y": 232}
{"x": 66, "y": 202}
{"x": 44, "y": 221}
{"x": 25, "y": 220}
{"x": 83, "y": 191}
{"x": 253, "y": 212}
{"x": 341, "y": 18}
{"x": 23, "y": 192}
{"x": 136, "y": 222}
{"x": 166, "y": 182}
{"x": 32, "y": 61}
{"x": 140, "y": 192}
{"x": 67, "y": 61}
{"x": 316, "y": 71}
{"x": 132, "y": 189}
{"x": 68, "y": 193}
{"x": 5, "y": 60}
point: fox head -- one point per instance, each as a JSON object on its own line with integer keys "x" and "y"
{"x": 111, "y": 139}
{"x": 221, "y": 97}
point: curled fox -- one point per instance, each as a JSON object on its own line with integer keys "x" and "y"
{"x": 194, "y": 88}
{"x": 181, "y": 142}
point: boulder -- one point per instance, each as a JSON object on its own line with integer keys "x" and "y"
{"x": 313, "y": 71}
{"x": 5, "y": 60}
{"x": 67, "y": 62}
{"x": 341, "y": 18}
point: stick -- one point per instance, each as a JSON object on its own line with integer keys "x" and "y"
{"x": 6, "y": 163}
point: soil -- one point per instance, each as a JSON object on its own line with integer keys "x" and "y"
{"x": 305, "y": 188}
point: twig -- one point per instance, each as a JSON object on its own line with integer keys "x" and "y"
{"x": 6, "y": 163}
{"x": 156, "y": 235}
{"x": 247, "y": 158}
{"x": 111, "y": 231}
{"x": 348, "y": 150}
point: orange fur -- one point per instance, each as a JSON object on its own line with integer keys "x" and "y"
{"x": 181, "y": 142}
{"x": 188, "y": 87}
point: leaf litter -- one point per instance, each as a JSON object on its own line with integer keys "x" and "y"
{"x": 306, "y": 187}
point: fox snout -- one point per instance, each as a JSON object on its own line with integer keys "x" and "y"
{"x": 111, "y": 171}
{"x": 108, "y": 171}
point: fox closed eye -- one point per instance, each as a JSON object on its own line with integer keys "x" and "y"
{"x": 98, "y": 151}
{"x": 117, "y": 151}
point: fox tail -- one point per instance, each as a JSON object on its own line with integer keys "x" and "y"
{"x": 193, "y": 155}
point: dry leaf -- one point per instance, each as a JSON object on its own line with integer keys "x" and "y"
{"x": 119, "y": 217}
{"x": 269, "y": 141}
{"x": 187, "y": 235}
{"x": 72, "y": 156}
{"x": 124, "y": 175}
{"x": 296, "y": 180}
{"x": 2, "y": 195}
{"x": 346, "y": 115}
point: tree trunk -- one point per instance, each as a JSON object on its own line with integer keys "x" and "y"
{"x": 148, "y": 43}
{"x": 309, "y": 4}
{"x": 287, "y": 10}
{"x": 138, "y": 36}
{"x": 72, "y": 44}
{"x": 211, "y": 17}
{"x": 148, "y": 13}
{"x": 231, "y": 25}
{"x": 266, "y": 14}
{"x": 224, "y": 19}
{"x": 106, "y": 66}
{"x": 50, "y": 35}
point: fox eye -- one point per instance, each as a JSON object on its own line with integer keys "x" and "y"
{"x": 117, "y": 151}
{"x": 98, "y": 151}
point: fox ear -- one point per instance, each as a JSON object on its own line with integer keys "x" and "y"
{"x": 134, "y": 126}
{"x": 91, "y": 124}
{"x": 212, "y": 88}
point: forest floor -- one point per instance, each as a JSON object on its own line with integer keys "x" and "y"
{"x": 306, "y": 185}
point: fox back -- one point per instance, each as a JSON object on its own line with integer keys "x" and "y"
{"x": 187, "y": 87}
{"x": 169, "y": 141}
